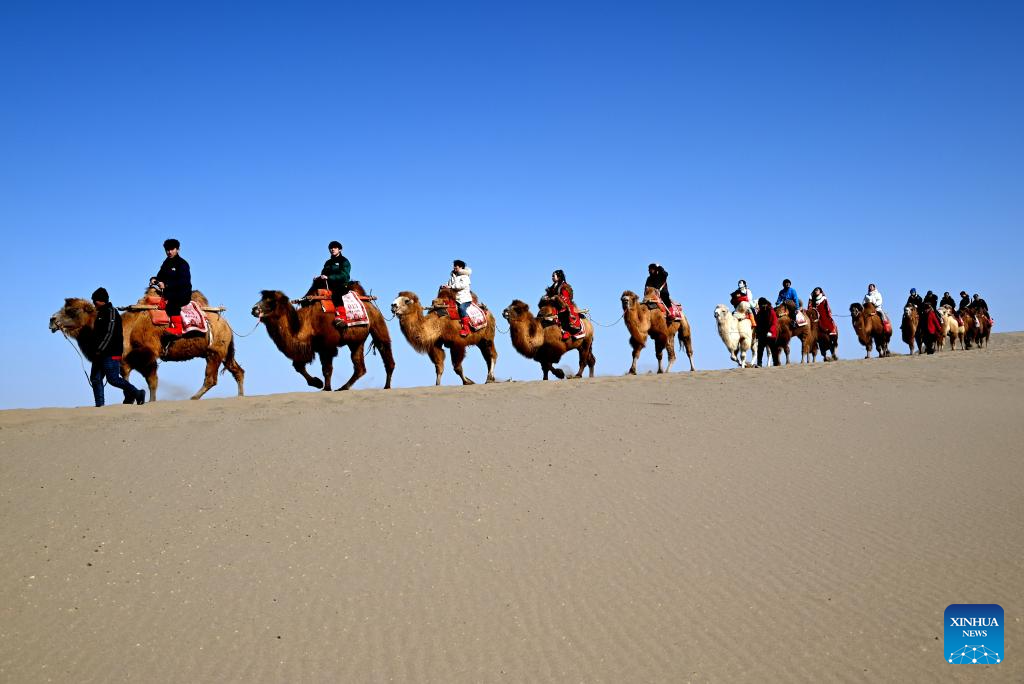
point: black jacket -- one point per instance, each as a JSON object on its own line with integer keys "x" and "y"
{"x": 914, "y": 301}
{"x": 965, "y": 302}
{"x": 948, "y": 301}
{"x": 177, "y": 279}
{"x": 109, "y": 337}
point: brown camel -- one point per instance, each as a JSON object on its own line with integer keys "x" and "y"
{"x": 967, "y": 316}
{"x": 982, "y": 328}
{"x": 908, "y": 328}
{"x": 429, "y": 334}
{"x": 786, "y": 332}
{"x": 642, "y": 321}
{"x": 821, "y": 341}
{"x": 145, "y": 344}
{"x": 808, "y": 336}
{"x": 309, "y": 331}
{"x": 867, "y": 323}
{"x": 544, "y": 344}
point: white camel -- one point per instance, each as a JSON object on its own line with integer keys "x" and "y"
{"x": 737, "y": 333}
{"x": 951, "y": 328}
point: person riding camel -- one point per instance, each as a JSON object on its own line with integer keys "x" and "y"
{"x": 335, "y": 277}
{"x": 979, "y": 304}
{"x": 657, "y": 277}
{"x": 914, "y": 300}
{"x": 947, "y": 300}
{"x": 874, "y": 297}
{"x": 174, "y": 280}
{"x": 819, "y": 302}
{"x": 789, "y": 297}
{"x": 742, "y": 294}
{"x": 560, "y": 291}
{"x": 965, "y": 301}
{"x": 460, "y": 285}
{"x": 933, "y": 299}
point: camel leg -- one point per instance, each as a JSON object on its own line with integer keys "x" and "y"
{"x": 637, "y": 348}
{"x": 149, "y": 373}
{"x": 670, "y": 347}
{"x": 358, "y": 364}
{"x": 555, "y": 370}
{"x": 458, "y": 355}
{"x": 436, "y": 354}
{"x": 237, "y": 372}
{"x": 490, "y": 354}
{"x": 659, "y": 352}
{"x": 212, "y": 366}
{"x": 300, "y": 368}
{"x": 584, "y": 351}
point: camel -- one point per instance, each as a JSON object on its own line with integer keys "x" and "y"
{"x": 309, "y": 331}
{"x": 908, "y": 327}
{"x": 544, "y": 344}
{"x": 870, "y": 329}
{"x": 951, "y": 328}
{"x": 787, "y": 333}
{"x": 970, "y": 327}
{"x": 821, "y": 342}
{"x": 643, "y": 322}
{"x": 144, "y": 342}
{"x": 736, "y": 333}
{"x": 982, "y": 328}
{"x": 429, "y": 334}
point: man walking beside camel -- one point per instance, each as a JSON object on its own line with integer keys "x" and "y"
{"x": 107, "y": 350}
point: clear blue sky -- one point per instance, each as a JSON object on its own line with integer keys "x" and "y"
{"x": 835, "y": 144}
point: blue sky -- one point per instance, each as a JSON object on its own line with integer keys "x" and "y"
{"x": 831, "y": 144}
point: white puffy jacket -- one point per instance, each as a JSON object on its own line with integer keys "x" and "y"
{"x": 459, "y": 282}
{"x": 874, "y": 298}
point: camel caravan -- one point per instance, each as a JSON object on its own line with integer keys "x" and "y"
{"x": 173, "y": 322}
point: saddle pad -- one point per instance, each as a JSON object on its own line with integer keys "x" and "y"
{"x": 677, "y": 311}
{"x": 193, "y": 319}
{"x": 801, "y": 320}
{"x": 159, "y": 317}
{"x": 477, "y": 317}
{"x": 355, "y": 310}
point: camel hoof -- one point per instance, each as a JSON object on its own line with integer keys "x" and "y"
{"x": 342, "y": 389}
{"x": 467, "y": 381}
{"x": 558, "y": 373}
{"x": 316, "y": 382}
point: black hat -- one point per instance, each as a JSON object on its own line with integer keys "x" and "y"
{"x": 333, "y": 244}
{"x": 100, "y": 295}
{"x": 171, "y": 243}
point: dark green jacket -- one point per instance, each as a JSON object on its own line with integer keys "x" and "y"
{"x": 337, "y": 269}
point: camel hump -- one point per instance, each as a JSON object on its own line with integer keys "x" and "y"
{"x": 200, "y": 298}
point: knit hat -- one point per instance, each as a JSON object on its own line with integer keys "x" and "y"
{"x": 100, "y": 295}
{"x": 171, "y": 243}
{"x": 333, "y": 244}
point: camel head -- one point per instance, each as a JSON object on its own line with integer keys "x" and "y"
{"x": 516, "y": 310}
{"x": 270, "y": 303}
{"x": 721, "y": 311}
{"x": 628, "y": 300}
{"x": 856, "y": 310}
{"x": 405, "y": 303}
{"x": 73, "y": 316}
{"x": 782, "y": 310}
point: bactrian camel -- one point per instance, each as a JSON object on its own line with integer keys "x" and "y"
{"x": 737, "y": 334}
{"x": 867, "y": 323}
{"x": 429, "y": 334}
{"x": 544, "y": 344}
{"x": 643, "y": 322}
{"x": 145, "y": 343}
{"x": 306, "y": 332}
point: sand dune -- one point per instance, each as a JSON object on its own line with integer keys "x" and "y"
{"x": 809, "y": 523}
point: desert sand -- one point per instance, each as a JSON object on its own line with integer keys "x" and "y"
{"x": 808, "y": 523}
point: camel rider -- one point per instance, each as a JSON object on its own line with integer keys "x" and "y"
{"x": 657, "y": 277}
{"x": 561, "y": 292}
{"x": 789, "y": 297}
{"x": 933, "y": 299}
{"x": 826, "y": 323}
{"x": 947, "y": 300}
{"x": 459, "y": 284}
{"x": 914, "y": 300}
{"x": 979, "y": 304}
{"x": 742, "y": 294}
{"x": 334, "y": 276}
{"x": 965, "y": 301}
{"x": 874, "y": 297}
{"x": 175, "y": 282}
{"x": 106, "y": 350}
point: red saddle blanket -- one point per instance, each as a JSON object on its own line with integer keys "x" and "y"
{"x": 676, "y": 311}
{"x": 477, "y": 316}
{"x": 193, "y": 319}
{"x": 353, "y": 310}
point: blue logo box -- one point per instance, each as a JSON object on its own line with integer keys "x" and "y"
{"x": 973, "y": 634}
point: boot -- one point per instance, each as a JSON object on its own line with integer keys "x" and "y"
{"x": 176, "y": 328}
{"x": 465, "y": 326}
{"x": 340, "y": 321}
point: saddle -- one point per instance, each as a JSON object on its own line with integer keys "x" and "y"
{"x": 476, "y": 312}
{"x": 676, "y": 312}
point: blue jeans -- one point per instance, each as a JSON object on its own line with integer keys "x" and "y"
{"x": 108, "y": 368}
{"x": 462, "y": 306}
